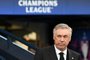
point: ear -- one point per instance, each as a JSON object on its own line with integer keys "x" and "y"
{"x": 69, "y": 41}
{"x": 53, "y": 37}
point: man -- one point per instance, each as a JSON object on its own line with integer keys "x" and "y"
{"x": 62, "y": 36}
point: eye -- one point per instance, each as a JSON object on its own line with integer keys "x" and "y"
{"x": 59, "y": 36}
{"x": 65, "y": 36}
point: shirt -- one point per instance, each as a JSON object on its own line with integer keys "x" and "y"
{"x": 58, "y": 51}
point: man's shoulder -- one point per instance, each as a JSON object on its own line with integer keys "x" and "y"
{"x": 48, "y": 48}
{"x": 74, "y": 52}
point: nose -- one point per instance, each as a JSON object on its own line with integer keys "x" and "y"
{"x": 62, "y": 39}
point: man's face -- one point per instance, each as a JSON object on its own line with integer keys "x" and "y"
{"x": 62, "y": 38}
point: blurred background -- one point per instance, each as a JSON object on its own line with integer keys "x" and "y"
{"x": 37, "y": 30}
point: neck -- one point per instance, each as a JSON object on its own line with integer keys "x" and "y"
{"x": 61, "y": 49}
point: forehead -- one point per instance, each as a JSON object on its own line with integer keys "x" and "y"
{"x": 62, "y": 31}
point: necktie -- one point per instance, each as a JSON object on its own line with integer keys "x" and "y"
{"x": 61, "y": 56}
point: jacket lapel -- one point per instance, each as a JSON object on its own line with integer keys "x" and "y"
{"x": 70, "y": 55}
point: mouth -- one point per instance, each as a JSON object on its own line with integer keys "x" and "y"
{"x": 61, "y": 44}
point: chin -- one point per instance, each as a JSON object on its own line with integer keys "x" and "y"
{"x": 61, "y": 48}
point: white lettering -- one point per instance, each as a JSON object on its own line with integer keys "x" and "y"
{"x": 38, "y": 6}
{"x": 20, "y": 3}
{"x": 37, "y": 3}
{"x": 38, "y": 9}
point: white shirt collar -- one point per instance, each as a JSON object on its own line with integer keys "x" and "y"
{"x": 58, "y": 51}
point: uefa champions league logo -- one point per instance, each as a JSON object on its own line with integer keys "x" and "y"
{"x": 38, "y": 6}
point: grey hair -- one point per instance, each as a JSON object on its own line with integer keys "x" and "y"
{"x": 62, "y": 26}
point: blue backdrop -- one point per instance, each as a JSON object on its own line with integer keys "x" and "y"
{"x": 64, "y": 7}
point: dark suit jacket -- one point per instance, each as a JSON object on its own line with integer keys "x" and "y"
{"x": 49, "y": 54}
